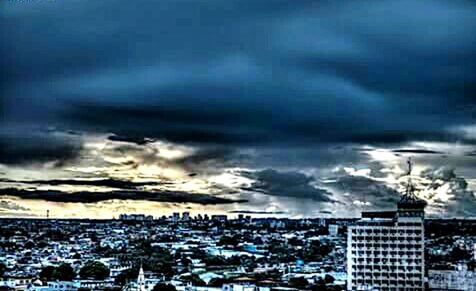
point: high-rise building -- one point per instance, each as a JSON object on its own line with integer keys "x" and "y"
{"x": 176, "y": 216}
{"x": 385, "y": 250}
{"x": 186, "y": 216}
{"x": 220, "y": 217}
{"x": 136, "y": 217}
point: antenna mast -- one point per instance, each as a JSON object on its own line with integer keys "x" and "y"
{"x": 410, "y": 188}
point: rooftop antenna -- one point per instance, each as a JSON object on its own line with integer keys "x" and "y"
{"x": 364, "y": 208}
{"x": 410, "y": 205}
{"x": 409, "y": 193}
{"x": 409, "y": 174}
{"x": 410, "y": 166}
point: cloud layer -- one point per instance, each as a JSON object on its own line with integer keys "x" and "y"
{"x": 240, "y": 72}
{"x": 258, "y": 99}
{"x": 92, "y": 197}
{"x": 287, "y": 184}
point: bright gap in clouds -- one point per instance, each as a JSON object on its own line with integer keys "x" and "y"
{"x": 166, "y": 166}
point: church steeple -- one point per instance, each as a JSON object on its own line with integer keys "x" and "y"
{"x": 141, "y": 279}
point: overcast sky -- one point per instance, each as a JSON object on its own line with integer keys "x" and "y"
{"x": 291, "y": 108}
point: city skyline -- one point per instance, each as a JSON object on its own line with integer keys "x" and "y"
{"x": 268, "y": 108}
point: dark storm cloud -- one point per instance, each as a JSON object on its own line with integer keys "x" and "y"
{"x": 365, "y": 190}
{"x": 209, "y": 160}
{"x": 238, "y": 72}
{"x": 111, "y": 183}
{"x": 130, "y": 139}
{"x": 412, "y": 48}
{"x": 256, "y": 212}
{"x": 416, "y": 151}
{"x": 325, "y": 156}
{"x": 287, "y": 184}
{"x": 23, "y": 148}
{"x": 92, "y": 197}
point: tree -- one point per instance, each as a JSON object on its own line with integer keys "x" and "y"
{"x": 164, "y": 287}
{"x": 471, "y": 265}
{"x": 328, "y": 279}
{"x": 94, "y": 270}
{"x": 298, "y": 282}
{"x": 126, "y": 275}
{"x": 459, "y": 254}
{"x": 160, "y": 261}
{"x": 210, "y": 260}
{"x": 29, "y": 245}
{"x": 218, "y": 282}
{"x": 194, "y": 279}
{"x": 316, "y": 251}
{"x": 3, "y": 269}
{"x": 47, "y": 272}
{"x": 229, "y": 240}
{"x": 294, "y": 241}
{"x": 42, "y": 244}
{"x": 64, "y": 272}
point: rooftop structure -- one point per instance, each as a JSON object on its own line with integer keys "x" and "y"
{"x": 385, "y": 250}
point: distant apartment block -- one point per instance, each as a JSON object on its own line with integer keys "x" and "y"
{"x": 137, "y": 217}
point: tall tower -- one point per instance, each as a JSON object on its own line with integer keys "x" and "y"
{"x": 141, "y": 280}
{"x": 385, "y": 250}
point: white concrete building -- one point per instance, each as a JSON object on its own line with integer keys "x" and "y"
{"x": 460, "y": 279}
{"x": 73, "y": 285}
{"x": 239, "y": 287}
{"x": 385, "y": 250}
{"x": 56, "y": 286}
{"x": 333, "y": 229}
{"x": 17, "y": 283}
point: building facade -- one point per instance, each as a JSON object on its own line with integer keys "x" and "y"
{"x": 457, "y": 280}
{"x": 385, "y": 250}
